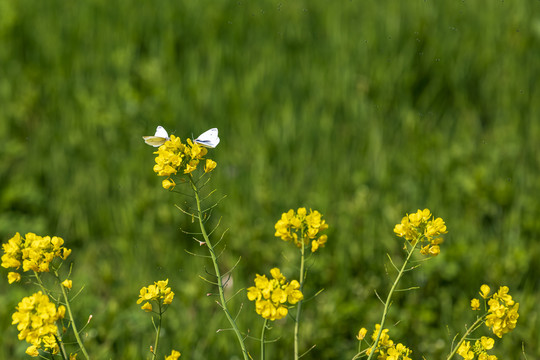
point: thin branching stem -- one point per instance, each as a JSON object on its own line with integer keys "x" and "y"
{"x": 223, "y": 302}
{"x": 72, "y": 320}
{"x": 388, "y": 302}
{"x": 473, "y": 327}
{"x": 158, "y": 331}
{"x": 299, "y": 306}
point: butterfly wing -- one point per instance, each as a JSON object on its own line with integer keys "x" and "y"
{"x": 159, "y": 138}
{"x": 161, "y": 132}
{"x": 208, "y": 138}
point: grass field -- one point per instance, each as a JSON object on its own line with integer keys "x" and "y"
{"x": 364, "y": 111}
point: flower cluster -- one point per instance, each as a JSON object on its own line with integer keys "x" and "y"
{"x": 503, "y": 310}
{"x": 308, "y": 225}
{"x": 386, "y": 348}
{"x": 479, "y": 349}
{"x": 174, "y": 156}
{"x": 422, "y": 227}
{"x": 271, "y": 295}
{"x": 158, "y": 292}
{"x": 174, "y": 355}
{"x": 36, "y": 320}
{"x": 33, "y": 252}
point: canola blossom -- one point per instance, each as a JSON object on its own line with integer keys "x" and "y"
{"x": 387, "y": 349}
{"x": 174, "y": 355}
{"x": 159, "y": 292}
{"x": 175, "y": 157}
{"x": 36, "y": 318}
{"x": 478, "y": 350}
{"x": 302, "y": 229}
{"x": 502, "y": 313}
{"x": 32, "y": 252}
{"x": 272, "y": 295}
{"x": 424, "y": 228}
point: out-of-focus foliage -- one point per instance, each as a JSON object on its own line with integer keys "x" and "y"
{"x": 362, "y": 110}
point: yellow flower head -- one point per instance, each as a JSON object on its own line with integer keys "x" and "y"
{"x": 502, "y": 313}
{"x": 210, "y": 165}
{"x": 13, "y": 277}
{"x": 484, "y": 291}
{"x": 479, "y": 349}
{"x": 386, "y": 348}
{"x": 36, "y": 318}
{"x": 147, "y": 307}
{"x": 475, "y": 304}
{"x": 384, "y": 339}
{"x": 174, "y": 355}
{"x": 271, "y": 295}
{"x": 465, "y": 350}
{"x": 361, "y": 334}
{"x": 67, "y": 284}
{"x": 174, "y": 157}
{"x": 422, "y": 227}
{"x": 302, "y": 228}
{"x": 159, "y": 292}
{"x": 33, "y": 252}
{"x": 168, "y": 184}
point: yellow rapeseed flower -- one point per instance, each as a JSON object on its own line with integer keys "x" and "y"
{"x": 484, "y": 291}
{"x": 159, "y": 292}
{"x": 386, "y": 347}
{"x": 13, "y": 277}
{"x": 422, "y": 227}
{"x": 384, "y": 339}
{"x": 475, "y": 304}
{"x": 210, "y": 165}
{"x": 479, "y": 349}
{"x": 174, "y": 355}
{"x": 174, "y": 157}
{"x": 168, "y": 184}
{"x": 67, "y": 284}
{"x": 465, "y": 350}
{"x": 302, "y": 228}
{"x": 147, "y": 307}
{"x": 272, "y": 295}
{"x": 398, "y": 352}
{"x": 36, "y": 320}
{"x": 361, "y": 334}
{"x": 502, "y": 313}
{"x": 33, "y": 253}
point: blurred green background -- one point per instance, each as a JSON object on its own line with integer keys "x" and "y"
{"x": 362, "y": 110}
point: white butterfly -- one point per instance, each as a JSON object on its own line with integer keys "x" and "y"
{"x": 208, "y": 138}
{"x": 159, "y": 138}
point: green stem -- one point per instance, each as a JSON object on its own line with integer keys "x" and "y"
{"x": 387, "y": 304}
{"x": 473, "y": 327}
{"x": 263, "y": 339}
{"x": 299, "y": 306}
{"x": 158, "y": 331}
{"x": 217, "y": 271}
{"x": 72, "y": 319}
